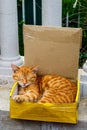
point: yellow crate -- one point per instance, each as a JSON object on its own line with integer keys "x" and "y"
{"x": 65, "y": 113}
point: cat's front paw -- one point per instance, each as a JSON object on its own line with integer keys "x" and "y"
{"x": 18, "y": 98}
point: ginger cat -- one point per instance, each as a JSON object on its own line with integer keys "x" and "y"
{"x": 42, "y": 89}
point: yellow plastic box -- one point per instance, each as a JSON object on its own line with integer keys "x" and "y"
{"x": 67, "y": 113}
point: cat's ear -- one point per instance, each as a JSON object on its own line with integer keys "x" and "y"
{"x": 35, "y": 69}
{"x": 14, "y": 68}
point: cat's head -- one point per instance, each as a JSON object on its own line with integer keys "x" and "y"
{"x": 24, "y": 75}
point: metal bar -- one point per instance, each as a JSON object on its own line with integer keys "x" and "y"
{"x": 79, "y": 17}
{"x": 67, "y": 19}
{"x": 23, "y": 10}
{"x": 34, "y": 11}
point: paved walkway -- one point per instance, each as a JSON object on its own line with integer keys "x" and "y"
{"x": 11, "y": 124}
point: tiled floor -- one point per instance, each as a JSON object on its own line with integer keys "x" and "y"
{"x": 5, "y": 87}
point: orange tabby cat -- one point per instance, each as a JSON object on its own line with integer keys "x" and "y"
{"x": 42, "y": 89}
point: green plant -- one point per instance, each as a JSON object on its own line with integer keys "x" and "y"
{"x": 77, "y": 18}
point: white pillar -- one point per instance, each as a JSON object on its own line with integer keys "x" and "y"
{"x": 52, "y": 12}
{"x": 85, "y": 66}
{"x": 8, "y": 36}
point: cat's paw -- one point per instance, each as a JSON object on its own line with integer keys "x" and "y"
{"x": 18, "y": 98}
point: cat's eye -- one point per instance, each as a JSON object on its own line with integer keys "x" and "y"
{"x": 30, "y": 78}
{"x": 21, "y": 77}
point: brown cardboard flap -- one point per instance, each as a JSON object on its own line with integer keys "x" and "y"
{"x": 55, "y": 50}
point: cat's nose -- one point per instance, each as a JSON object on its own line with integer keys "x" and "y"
{"x": 24, "y": 84}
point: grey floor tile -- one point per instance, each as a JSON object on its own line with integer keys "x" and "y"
{"x": 31, "y": 125}
{"x": 12, "y": 124}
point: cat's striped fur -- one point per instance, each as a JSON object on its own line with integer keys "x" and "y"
{"x": 42, "y": 89}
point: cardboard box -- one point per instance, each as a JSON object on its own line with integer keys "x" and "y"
{"x": 56, "y": 51}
